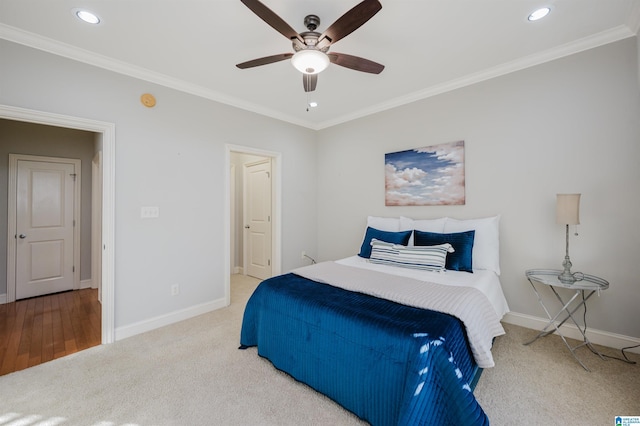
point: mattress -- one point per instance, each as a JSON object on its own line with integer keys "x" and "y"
{"x": 387, "y": 362}
{"x": 488, "y": 282}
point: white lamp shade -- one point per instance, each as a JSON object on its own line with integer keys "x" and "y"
{"x": 568, "y": 209}
{"x": 310, "y": 61}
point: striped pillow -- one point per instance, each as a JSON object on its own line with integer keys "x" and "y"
{"x": 428, "y": 258}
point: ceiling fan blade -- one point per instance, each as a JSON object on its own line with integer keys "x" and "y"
{"x": 264, "y": 61}
{"x": 355, "y": 63}
{"x": 268, "y": 16}
{"x": 349, "y": 22}
{"x": 309, "y": 81}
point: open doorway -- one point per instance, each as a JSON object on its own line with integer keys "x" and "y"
{"x": 102, "y": 222}
{"x": 254, "y": 240}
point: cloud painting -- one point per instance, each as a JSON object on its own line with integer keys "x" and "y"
{"x": 429, "y": 176}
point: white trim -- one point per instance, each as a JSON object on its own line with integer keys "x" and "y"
{"x": 276, "y": 208}
{"x": 168, "y": 319}
{"x": 107, "y": 132}
{"x": 590, "y": 42}
{"x": 96, "y": 222}
{"x": 86, "y": 284}
{"x": 36, "y": 41}
{"x": 598, "y": 337}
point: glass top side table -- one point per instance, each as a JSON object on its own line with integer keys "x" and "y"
{"x": 585, "y": 286}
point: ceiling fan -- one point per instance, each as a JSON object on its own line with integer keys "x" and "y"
{"x": 311, "y": 48}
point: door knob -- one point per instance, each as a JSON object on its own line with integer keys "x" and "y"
{"x": 22, "y": 236}
{"x": 246, "y": 227}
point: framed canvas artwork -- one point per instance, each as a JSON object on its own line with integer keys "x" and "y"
{"x": 428, "y": 176}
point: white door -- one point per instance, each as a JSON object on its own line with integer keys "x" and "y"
{"x": 44, "y": 227}
{"x": 257, "y": 213}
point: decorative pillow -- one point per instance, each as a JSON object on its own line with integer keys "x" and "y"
{"x": 486, "y": 245}
{"x": 390, "y": 237}
{"x": 462, "y": 242}
{"x": 429, "y": 258}
{"x": 429, "y": 225}
{"x": 391, "y": 224}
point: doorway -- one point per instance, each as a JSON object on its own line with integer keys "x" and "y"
{"x": 267, "y": 251}
{"x": 256, "y": 208}
{"x": 104, "y": 134}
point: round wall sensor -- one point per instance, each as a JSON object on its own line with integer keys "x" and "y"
{"x": 148, "y": 100}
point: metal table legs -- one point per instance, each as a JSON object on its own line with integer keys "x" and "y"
{"x": 552, "y": 327}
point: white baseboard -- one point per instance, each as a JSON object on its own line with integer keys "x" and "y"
{"x": 238, "y": 270}
{"x": 598, "y": 337}
{"x": 83, "y": 284}
{"x": 163, "y": 320}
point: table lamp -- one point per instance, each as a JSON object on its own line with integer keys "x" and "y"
{"x": 567, "y": 213}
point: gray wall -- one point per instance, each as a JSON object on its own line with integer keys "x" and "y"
{"x": 171, "y": 156}
{"x": 34, "y": 139}
{"x": 571, "y": 125}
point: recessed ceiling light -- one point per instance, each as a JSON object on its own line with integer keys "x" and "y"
{"x": 313, "y": 104}
{"x": 86, "y": 16}
{"x": 539, "y": 14}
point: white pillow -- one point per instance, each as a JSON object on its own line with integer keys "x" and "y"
{"x": 425, "y": 225}
{"x": 486, "y": 242}
{"x": 428, "y": 258}
{"x": 391, "y": 224}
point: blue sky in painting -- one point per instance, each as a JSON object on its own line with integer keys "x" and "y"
{"x": 426, "y": 176}
{"x": 423, "y": 160}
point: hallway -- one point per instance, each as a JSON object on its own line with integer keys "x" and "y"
{"x": 39, "y": 329}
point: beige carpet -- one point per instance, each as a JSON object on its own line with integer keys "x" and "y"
{"x": 192, "y": 373}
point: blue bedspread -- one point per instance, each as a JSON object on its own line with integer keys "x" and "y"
{"x": 387, "y": 363}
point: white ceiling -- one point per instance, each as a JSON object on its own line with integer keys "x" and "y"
{"x": 427, "y": 46}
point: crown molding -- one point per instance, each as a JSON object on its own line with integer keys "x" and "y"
{"x": 596, "y": 40}
{"x": 68, "y": 51}
{"x": 35, "y": 41}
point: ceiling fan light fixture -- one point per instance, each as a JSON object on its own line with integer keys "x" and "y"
{"x": 310, "y": 61}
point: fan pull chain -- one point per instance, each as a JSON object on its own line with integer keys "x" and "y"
{"x": 307, "y": 93}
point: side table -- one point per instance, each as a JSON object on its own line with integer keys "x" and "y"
{"x": 585, "y": 287}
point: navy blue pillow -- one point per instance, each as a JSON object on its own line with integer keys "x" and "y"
{"x": 401, "y": 237}
{"x": 462, "y": 242}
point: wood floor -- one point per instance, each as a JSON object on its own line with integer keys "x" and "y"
{"x": 39, "y": 329}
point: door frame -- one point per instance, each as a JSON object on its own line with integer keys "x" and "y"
{"x": 96, "y": 221}
{"x": 12, "y": 199}
{"x": 106, "y": 139}
{"x": 276, "y": 209}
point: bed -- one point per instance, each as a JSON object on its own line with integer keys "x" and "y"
{"x": 390, "y": 337}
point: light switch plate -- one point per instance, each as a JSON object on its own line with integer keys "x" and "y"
{"x": 149, "y": 212}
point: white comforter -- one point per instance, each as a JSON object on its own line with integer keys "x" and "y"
{"x": 468, "y": 304}
{"x": 486, "y": 281}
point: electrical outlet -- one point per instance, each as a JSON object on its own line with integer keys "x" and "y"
{"x": 175, "y": 289}
{"x": 303, "y": 255}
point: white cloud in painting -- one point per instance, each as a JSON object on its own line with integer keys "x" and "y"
{"x": 396, "y": 179}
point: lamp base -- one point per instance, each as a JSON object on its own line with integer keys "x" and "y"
{"x": 566, "y": 277}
